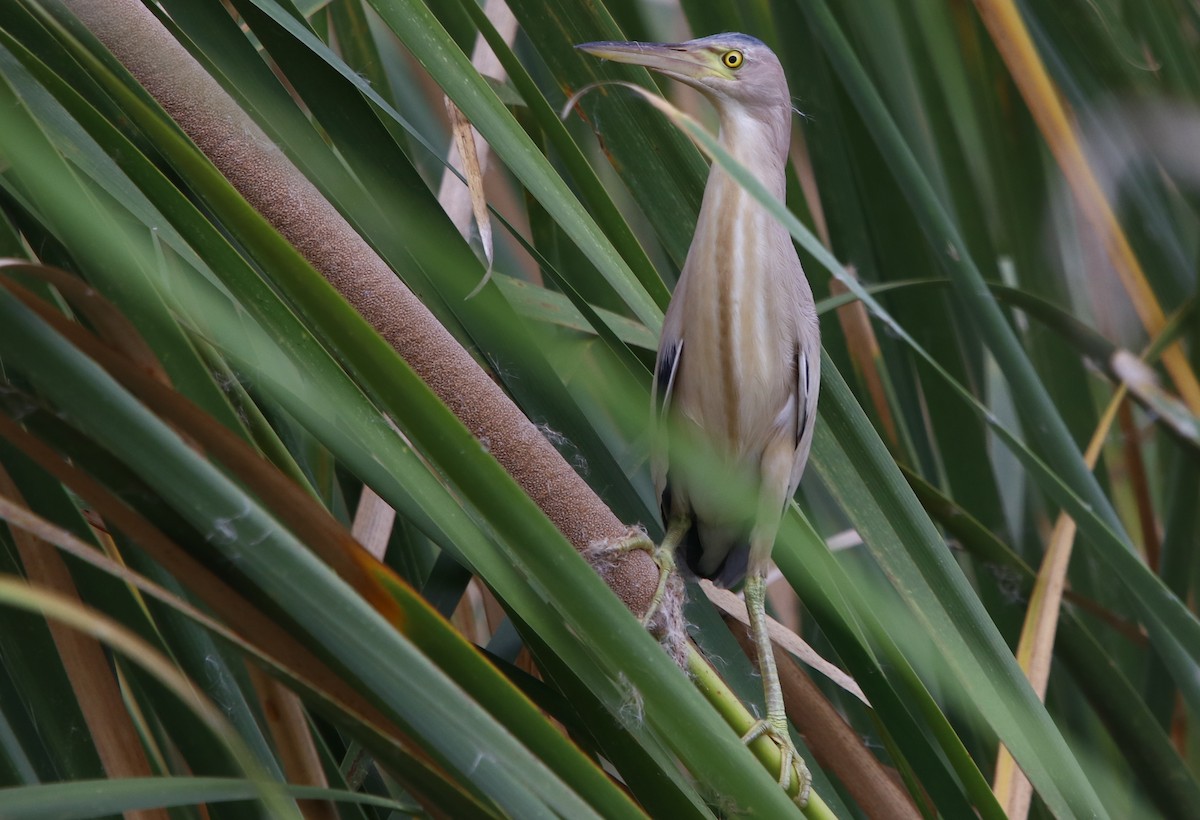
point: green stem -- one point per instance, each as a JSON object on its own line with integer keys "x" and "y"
{"x": 741, "y": 721}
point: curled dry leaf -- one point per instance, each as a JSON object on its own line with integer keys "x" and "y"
{"x": 464, "y": 139}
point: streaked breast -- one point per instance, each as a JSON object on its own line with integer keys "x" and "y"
{"x": 737, "y": 325}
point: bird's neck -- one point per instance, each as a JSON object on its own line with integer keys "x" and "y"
{"x": 760, "y": 143}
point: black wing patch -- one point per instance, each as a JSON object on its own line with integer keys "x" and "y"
{"x": 668, "y": 367}
{"x": 803, "y": 379}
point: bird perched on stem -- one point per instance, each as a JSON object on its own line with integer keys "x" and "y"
{"x": 740, "y": 353}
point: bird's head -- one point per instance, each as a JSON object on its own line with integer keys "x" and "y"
{"x": 730, "y": 69}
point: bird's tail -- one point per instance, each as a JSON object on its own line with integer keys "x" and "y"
{"x": 718, "y": 553}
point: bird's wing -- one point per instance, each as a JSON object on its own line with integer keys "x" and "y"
{"x": 665, "y": 370}
{"x": 664, "y": 376}
{"x": 808, "y": 383}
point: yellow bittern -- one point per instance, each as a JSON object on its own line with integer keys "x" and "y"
{"x": 740, "y": 354}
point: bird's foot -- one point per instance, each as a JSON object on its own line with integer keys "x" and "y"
{"x": 663, "y": 615}
{"x": 791, "y": 764}
{"x": 663, "y": 556}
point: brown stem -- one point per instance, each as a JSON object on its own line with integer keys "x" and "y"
{"x": 84, "y": 661}
{"x": 1135, "y": 470}
{"x": 282, "y": 194}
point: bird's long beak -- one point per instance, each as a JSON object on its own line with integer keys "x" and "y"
{"x": 673, "y": 59}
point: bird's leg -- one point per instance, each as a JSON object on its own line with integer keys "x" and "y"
{"x": 757, "y": 610}
{"x": 775, "y": 725}
{"x": 664, "y": 558}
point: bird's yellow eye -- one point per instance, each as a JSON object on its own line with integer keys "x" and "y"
{"x": 732, "y": 59}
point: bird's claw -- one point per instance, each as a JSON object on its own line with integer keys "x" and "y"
{"x": 664, "y": 558}
{"x": 791, "y": 764}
